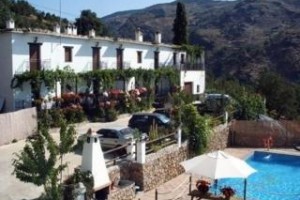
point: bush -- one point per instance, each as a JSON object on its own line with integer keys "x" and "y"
{"x": 74, "y": 114}
{"x": 111, "y": 115}
{"x": 98, "y": 115}
{"x": 51, "y": 117}
{"x": 14, "y": 140}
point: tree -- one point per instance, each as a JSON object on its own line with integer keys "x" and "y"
{"x": 67, "y": 139}
{"x": 180, "y": 25}
{"x": 4, "y": 12}
{"x": 23, "y": 8}
{"x": 250, "y": 106}
{"x": 88, "y": 20}
{"x": 196, "y": 127}
{"x": 281, "y": 96}
{"x": 37, "y": 163}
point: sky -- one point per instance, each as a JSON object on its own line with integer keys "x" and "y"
{"x": 71, "y": 9}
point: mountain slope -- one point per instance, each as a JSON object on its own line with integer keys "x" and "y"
{"x": 241, "y": 38}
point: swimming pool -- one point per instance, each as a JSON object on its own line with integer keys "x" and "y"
{"x": 277, "y": 177}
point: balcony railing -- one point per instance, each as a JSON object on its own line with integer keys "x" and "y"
{"x": 190, "y": 66}
{"x": 25, "y": 66}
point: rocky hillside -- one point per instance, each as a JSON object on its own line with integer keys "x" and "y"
{"x": 241, "y": 37}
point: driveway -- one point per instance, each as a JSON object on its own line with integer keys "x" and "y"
{"x": 13, "y": 189}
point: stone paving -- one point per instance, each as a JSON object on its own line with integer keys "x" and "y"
{"x": 12, "y": 188}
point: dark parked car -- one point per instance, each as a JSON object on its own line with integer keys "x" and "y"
{"x": 164, "y": 111}
{"x": 143, "y": 121}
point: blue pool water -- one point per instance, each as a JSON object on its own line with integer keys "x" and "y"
{"x": 277, "y": 177}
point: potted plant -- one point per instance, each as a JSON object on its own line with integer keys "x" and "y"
{"x": 202, "y": 186}
{"x": 228, "y": 192}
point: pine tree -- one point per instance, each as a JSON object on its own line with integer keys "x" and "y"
{"x": 180, "y": 25}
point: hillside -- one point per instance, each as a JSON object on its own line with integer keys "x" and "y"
{"x": 241, "y": 38}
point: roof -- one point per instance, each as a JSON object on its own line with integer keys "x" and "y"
{"x": 86, "y": 37}
{"x": 116, "y": 128}
{"x": 150, "y": 114}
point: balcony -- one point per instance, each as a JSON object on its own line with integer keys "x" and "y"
{"x": 191, "y": 66}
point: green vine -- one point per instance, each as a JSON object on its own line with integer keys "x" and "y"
{"x": 106, "y": 77}
{"x": 193, "y": 51}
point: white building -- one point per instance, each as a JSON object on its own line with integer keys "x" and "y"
{"x": 26, "y": 50}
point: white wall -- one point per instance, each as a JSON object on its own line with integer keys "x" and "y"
{"x": 197, "y": 77}
{"x": 52, "y": 52}
{"x": 53, "y": 56}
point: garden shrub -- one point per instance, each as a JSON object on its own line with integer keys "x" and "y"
{"x": 111, "y": 114}
{"x": 56, "y": 116}
{"x": 74, "y": 114}
{"x": 196, "y": 128}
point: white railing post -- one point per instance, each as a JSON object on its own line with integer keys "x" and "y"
{"x": 141, "y": 151}
{"x": 130, "y": 149}
{"x": 179, "y": 131}
{"x": 226, "y": 118}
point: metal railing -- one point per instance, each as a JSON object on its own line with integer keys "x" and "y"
{"x": 44, "y": 64}
{"x": 162, "y": 142}
{"x": 118, "y": 150}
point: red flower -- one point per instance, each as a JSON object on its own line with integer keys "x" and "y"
{"x": 227, "y": 191}
{"x": 202, "y": 186}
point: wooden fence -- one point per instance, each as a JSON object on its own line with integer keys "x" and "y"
{"x": 284, "y": 133}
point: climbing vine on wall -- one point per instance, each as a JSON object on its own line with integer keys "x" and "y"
{"x": 107, "y": 77}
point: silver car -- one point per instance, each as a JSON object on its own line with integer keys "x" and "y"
{"x": 115, "y": 137}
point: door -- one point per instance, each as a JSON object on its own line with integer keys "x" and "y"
{"x": 96, "y": 58}
{"x": 188, "y": 88}
{"x": 34, "y": 56}
{"x": 120, "y": 58}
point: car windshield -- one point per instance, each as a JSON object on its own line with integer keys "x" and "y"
{"x": 163, "y": 118}
{"x": 126, "y": 131}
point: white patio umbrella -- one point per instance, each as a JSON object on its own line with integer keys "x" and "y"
{"x": 217, "y": 165}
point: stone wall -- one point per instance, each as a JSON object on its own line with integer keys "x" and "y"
{"x": 124, "y": 191}
{"x": 163, "y": 166}
{"x": 159, "y": 168}
{"x": 219, "y": 138}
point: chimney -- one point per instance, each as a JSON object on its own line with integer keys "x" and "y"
{"x": 138, "y": 35}
{"x": 92, "y": 33}
{"x": 74, "y": 30}
{"x": 56, "y": 28}
{"x": 157, "y": 39}
{"x": 93, "y": 161}
{"x": 69, "y": 29}
{"x": 10, "y": 24}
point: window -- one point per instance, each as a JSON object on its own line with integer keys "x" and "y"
{"x": 35, "y": 56}
{"x": 120, "y": 58}
{"x": 156, "y": 59}
{"x": 96, "y": 58}
{"x": 139, "y": 56}
{"x": 174, "y": 58}
{"x": 68, "y": 54}
{"x": 182, "y": 58}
